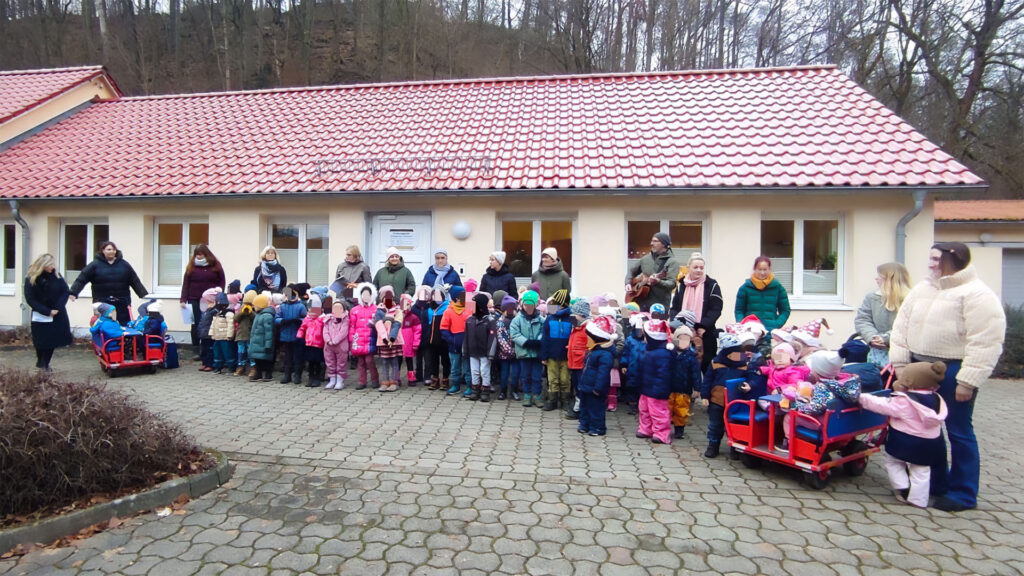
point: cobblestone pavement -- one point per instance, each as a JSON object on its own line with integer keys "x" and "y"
{"x": 416, "y": 483}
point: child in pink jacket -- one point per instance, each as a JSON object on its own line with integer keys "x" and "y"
{"x": 412, "y": 331}
{"x": 336, "y": 346}
{"x": 362, "y": 337}
{"x": 914, "y": 442}
{"x": 311, "y": 331}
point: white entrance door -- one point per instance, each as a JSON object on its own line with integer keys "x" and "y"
{"x": 410, "y": 233}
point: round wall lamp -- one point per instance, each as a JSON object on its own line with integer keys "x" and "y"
{"x": 985, "y": 237}
{"x": 461, "y": 230}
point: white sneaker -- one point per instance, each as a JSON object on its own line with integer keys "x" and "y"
{"x": 330, "y": 384}
{"x": 339, "y": 382}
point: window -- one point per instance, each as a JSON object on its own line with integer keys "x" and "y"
{"x": 175, "y": 241}
{"x": 687, "y": 237}
{"x": 523, "y": 240}
{"x": 302, "y": 250}
{"x": 7, "y": 248}
{"x": 79, "y": 244}
{"x": 806, "y": 255}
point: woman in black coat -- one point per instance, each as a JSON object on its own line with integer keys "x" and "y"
{"x": 112, "y": 279}
{"x": 497, "y": 277}
{"x": 702, "y": 295}
{"x": 47, "y": 293}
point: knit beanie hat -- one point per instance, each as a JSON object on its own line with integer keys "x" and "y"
{"x": 470, "y": 285}
{"x": 657, "y": 329}
{"x": 921, "y": 376}
{"x": 222, "y": 300}
{"x": 386, "y": 292}
{"x": 728, "y": 343}
{"x": 550, "y": 251}
{"x": 509, "y": 304}
{"x": 105, "y": 310}
{"x": 497, "y": 297}
{"x": 391, "y": 251}
{"x": 530, "y": 298}
{"x": 406, "y": 301}
{"x": 155, "y": 307}
{"x": 235, "y": 287}
{"x": 664, "y": 239}
{"x": 560, "y": 298}
{"x": 825, "y": 363}
{"x": 784, "y": 349}
{"x": 456, "y": 292}
{"x": 688, "y": 318}
{"x": 316, "y": 304}
{"x": 601, "y": 329}
{"x": 580, "y": 307}
{"x": 499, "y": 256}
{"x": 441, "y": 251}
{"x": 658, "y": 311}
{"x": 480, "y": 300}
{"x": 248, "y": 297}
{"x": 260, "y": 302}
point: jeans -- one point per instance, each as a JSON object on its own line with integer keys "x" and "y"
{"x": 530, "y": 370}
{"x": 960, "y": 481}
{"x": 243, "y": 354}
{"x": 460, "y": 370}
{"x": 509, "y": 370}
{"x": 223, "y": 354}
{"x": 206, "y": 351}
{"x": 480, "y": 371}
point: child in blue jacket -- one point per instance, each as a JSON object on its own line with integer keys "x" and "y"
{"x": 289, "y": 317}
{"x": 732, "y": 362}
{"x": 656, "y": 384}
{"x": 631, "y": 362}
{"x": 554, "y": 351}
{"x": 686, "y": 378}
{"x": 595, "y": 380}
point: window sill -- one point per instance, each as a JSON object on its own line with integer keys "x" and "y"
{"x": 163, "y": 293}
{"x": 838, "y": 306}
{"x": 7, "y": 290}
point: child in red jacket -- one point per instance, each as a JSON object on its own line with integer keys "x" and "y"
{"x": 311, "y": 332}
{"x": 579, "y": 313}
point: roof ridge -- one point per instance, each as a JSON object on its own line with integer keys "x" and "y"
{"x": 489, "y": 80}
{"x": 96, "y": 67}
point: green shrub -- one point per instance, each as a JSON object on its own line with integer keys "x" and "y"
{"x": 62, "y": 441}
{"x": 1011, "y": 363}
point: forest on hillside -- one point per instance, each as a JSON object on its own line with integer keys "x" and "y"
{"x": 953, "y": 68}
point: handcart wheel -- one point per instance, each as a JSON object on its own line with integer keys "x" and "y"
{"x": 112, "y": 373}
{"x": 818, "y": 480}
{"x": 858, "y": 466}
{"x": 750, "y": 461}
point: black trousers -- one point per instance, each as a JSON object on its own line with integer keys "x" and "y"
{"x": 43, "y": 357}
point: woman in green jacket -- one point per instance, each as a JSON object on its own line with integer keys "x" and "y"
{"x": 763, "y": 296}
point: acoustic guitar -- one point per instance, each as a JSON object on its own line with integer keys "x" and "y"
{"x": 640, "y": 286}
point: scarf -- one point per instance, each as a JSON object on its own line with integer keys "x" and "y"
{"x": 762, "y": 284}
{"x": 441, "y": 272}
{"x": 271, "y": 273}
{"x": 458, "y": 308}
{"x": 200, "y": 261}
{"x": 693, "y": 295}
{"x": 544, "y": 266}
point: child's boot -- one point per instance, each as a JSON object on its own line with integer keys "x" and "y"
{"x": 268, "y": 375}
{"x": 613, "y": 403}
{"x": 474, "y": 393}
{"x": 679, "y": 432}
{"x": 254, "y": 374}
{"x": 410, "y": 376}
{"x": 526, "y": 400}
{"x": 240, "y": 370}
{"x": 468, "y": 392}
{"x": 330, "y": 383}
{"x": 572, "y": 407}
{"x": 297, "y": 376}
{"x": 712, "y": 451}
{"x": 485, "y": 394}
{"x": 434, "y": 384}
{"x": 286, "y": 377}
{"x": 453, "y": 389}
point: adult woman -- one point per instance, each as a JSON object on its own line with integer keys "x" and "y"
{"x": 395, "y": 274}
{"x": 497, "y": 276}
{"x": 441, "y": 272}
{"x": 269, "y": 274}
{"x": 112, "y": 280}
{"x": 551, "y": 276}
{"x": 878, "y": 311}
{"x": 202, "y": 273}
{"x": 954, "y": 317}
{"x": 763, "y": 296}
{"x": 701, "y": 295}
{"x": 350, "y": 273}
{"x": 46, "y": 293}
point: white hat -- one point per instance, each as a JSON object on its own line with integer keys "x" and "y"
{"x": 550, "y": 251}
{"x": 391, "y": 251}
{"x": 499, "y": 256}
{"x": 825, "y": 363}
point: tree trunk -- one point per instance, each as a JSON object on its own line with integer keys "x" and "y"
{"x": 381, "y": 37}
{"x": 101, "y": 15}
{"x": 172, "y": 28}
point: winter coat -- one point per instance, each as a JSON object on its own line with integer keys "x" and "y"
{"x": 554, "y": 344}
{"x": 49, "y": 293}
{"x": 450, "y": 277}
{"x": 955, "y": 317}
{"x": 481, "y": 337}
{"x": 261, "y": 338}
{"x": 350, "y": 273}
{"x": 360, "y": 330}
{"x": 398, "y": 277}
{"x": 525, "y": 328}
{"x": 110, "y": 280}
{"x": 771, "y": 305}
{"x": 222, "y": 326}
{"x": 106, "y": 328}
{"x": 199, "y": 280}
{"x": 243, "y": 322}
{"x": 289, "y": 317}
{"x": 395, "y": 317}
{"x": 311, "y": 331}
{"x": 656, "y": 371}
{"x": 873, "y": 319}
{"x": 577, "y": 348}
{"x": 506, "y": 347}
{"x": 550, "y": 281}
{"x": 453, "y": 328}
{"x": 632, "y": 357}
{"x": 433, "y": 326}
{"x": 154, "y": 325}
{"x": 206, "y": 322}
{"x": 907, "y": 414}
{"x": 596, "y": 376}
{"x": 412, "y": 332}
{"x": 336, "y": 332}
{"x": 712, "y": 309}
{"x": 500, "y": 279}
{"x": 257, "y": 279}
{"x": 661, "y": 290}
{"x": 686, "y": 376}
{"x": 722, "y": 370}
{"x": 782, "y": 378}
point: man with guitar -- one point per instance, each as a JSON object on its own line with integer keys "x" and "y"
{"x": 652, "y": 280}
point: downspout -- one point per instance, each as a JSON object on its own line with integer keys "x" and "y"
{"x": 25, "y": 252}
{"x": 901, "y": 226}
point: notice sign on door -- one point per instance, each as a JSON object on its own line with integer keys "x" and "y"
{"x": 402, "y": 238}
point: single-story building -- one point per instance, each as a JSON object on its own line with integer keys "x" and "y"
{"x": 799, "y": 163}
{"x": 994, "y": 229}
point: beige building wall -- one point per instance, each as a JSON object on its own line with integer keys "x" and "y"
{"x": 238, "y": 230}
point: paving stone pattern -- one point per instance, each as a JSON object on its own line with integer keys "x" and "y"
{"x": 414, "y": 482}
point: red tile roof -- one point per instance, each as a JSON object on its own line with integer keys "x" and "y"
{"x": 769, "y": 128}
{"x": 979, "y": 210}
{"x": 21, "y": 90}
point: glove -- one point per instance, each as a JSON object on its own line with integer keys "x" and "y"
{"x": 532, "y": 344}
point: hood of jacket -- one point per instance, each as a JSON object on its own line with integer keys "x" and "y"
{"x": 553, "y": 270}
{"x": 503, "y": 270}
{"x": 103, "y": 259}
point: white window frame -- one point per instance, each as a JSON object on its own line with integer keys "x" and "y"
{"x": 664, "y": 227}
{"x": 7, "y": 288}
{"x": 172, "y": 290}
{"x": 300, "y": 223}
{"x": 90, "y": 240}
{"x": 535, "y": 240}
{"x": 799, "y": 300}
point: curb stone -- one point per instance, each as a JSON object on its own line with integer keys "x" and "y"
{"x": 163, "y": 494}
